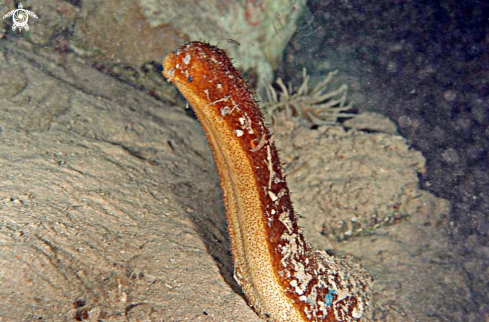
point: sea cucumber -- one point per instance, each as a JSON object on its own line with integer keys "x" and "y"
{"x": 283, "y": 278}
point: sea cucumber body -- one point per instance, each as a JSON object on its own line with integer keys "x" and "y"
{"x": 282, "y": 277}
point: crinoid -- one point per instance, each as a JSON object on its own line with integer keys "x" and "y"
{"x": 318, "y": 105}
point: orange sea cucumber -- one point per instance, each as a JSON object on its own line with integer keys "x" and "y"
{"x": 283, "y": 278}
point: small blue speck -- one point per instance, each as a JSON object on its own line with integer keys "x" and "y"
{"x": 328, "y": 299}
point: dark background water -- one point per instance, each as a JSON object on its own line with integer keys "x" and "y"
{"x": 425, "y": 64}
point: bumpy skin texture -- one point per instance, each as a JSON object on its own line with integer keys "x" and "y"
{"x": 282, "y": 277}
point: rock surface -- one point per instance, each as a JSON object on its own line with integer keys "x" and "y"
{"x": 131, "y": 38}
{"x": 110, "y": 208}
{"x": 110, "y": 205}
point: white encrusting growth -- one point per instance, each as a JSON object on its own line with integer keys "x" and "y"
{"x": 281, "y": 193}
{"x": 284, "y": 218}
{"x": 186, "y": 59}
{"x": 225, "y": 98}
{"x": 260, "y": 144}
{"x": 171, "y": 74}
{"x": 272, "y": 195}
{"x": 245, "y": 122}
{"x": 272, "y": 173}
{"x": 288, "y": 251}
{"x": 225, "y": 110}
